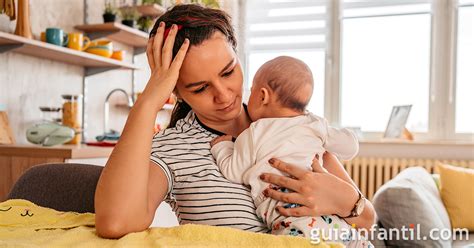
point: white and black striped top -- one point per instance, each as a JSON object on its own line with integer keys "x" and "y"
{"x": 197, "y": 191}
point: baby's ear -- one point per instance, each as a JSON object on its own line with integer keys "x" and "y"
{"x": 264, "y": 95}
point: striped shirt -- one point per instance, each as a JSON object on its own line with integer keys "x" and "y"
{"x": 197, "y": 191}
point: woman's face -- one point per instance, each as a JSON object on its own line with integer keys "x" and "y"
{"x": 210, "y": 80}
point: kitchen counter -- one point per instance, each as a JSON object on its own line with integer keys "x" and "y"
{"x": 16, "y": 159}
{"x": 63, "y": 151}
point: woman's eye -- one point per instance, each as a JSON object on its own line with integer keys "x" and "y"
{"x": 228, "y": 73}
{"x": 200, "y": 89}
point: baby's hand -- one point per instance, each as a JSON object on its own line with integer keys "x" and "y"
{"x": 220, "y": 139}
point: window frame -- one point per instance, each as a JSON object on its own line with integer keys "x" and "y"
{"x": 443, "y": 58}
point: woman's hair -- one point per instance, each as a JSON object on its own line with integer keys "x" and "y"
{"x": 198, "y": 24}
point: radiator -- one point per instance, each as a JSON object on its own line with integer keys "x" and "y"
{"x": 369, "y": 173}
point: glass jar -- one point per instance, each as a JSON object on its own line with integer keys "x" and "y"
{"x": 50, "y": 114}
{"x": 72, "y": 115}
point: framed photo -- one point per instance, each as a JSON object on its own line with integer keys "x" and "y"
{"x": 396, "y": 123}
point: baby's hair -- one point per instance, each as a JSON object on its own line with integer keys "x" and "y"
{"x": 290, "y": 79}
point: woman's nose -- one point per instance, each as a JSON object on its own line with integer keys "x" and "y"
{"x": 223, "y": 94}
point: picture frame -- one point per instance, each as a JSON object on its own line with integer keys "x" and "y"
{"x": 397, "y": 121}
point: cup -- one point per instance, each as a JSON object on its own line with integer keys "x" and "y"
{"x": 118, "y": 55}
{"x": 78, "y": 41}
{"x": 56, "y": 36}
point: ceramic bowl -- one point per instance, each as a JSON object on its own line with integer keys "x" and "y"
{"x": 101, "y": 48}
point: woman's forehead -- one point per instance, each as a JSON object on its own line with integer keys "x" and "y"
{"x": 207, "y": 59}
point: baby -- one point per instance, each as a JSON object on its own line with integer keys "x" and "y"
{"x": 283, "y": 129}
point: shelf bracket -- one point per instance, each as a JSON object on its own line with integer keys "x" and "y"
{"x": 90, "y": 71}
{"x": 139, "y": 50}
{"x": 9, "y": 47}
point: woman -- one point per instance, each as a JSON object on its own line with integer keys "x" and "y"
{"x": 191, "y": 52}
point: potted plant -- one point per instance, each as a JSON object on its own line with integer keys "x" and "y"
{"x": 145, "y": 23}
{"x": 110, "y": 12}
{"x": 208, "y": 3}
{"x": 145, "y": 2}
{"x": 129, "y": 15}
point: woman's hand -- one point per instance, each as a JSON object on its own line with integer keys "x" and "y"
{"x": 164, "y": 69}
{"x": 220, "y": 139}
{"x": 320, "y": 192}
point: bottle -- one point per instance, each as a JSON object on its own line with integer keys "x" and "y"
{"x": 72, "y": 115}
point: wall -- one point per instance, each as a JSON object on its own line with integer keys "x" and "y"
{"x": 28, "y": 82}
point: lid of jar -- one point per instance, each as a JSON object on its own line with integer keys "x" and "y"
{"x": 71, "y": 97}
{"x": 49, "y": 109}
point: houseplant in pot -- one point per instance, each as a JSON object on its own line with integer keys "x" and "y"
{"x": 129, "y": 15}
{"x": 110, "y": 12}
{"x": 145, "y": 2}
{"x": 145, "y": 23}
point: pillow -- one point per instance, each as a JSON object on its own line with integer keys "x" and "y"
{"x": 457, "y": 193}
{"x": 412, "y": 198}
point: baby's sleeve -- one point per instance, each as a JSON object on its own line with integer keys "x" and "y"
{"x": 341, "y": 142}
{"x": 234, "y": 159}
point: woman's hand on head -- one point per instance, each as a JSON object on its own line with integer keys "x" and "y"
{"x": 159, "y": 52}
{"x": 319, "y": 192}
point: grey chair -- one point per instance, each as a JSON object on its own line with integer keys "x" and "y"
{"x": 64, "y": 187}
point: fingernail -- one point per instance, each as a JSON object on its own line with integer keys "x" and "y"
{"x": 265, "y": 192}
{"x": 317, "y": 156}
{"x": 262, "y": 176}
{"x": 162, "y": 24}
{"x": 173, "y": 26}
{"x": 271, "y": 161}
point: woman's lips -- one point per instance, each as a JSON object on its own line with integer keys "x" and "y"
{"x": 229, "y": 107}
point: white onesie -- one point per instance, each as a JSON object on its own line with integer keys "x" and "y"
{"x": 294, "y": 140}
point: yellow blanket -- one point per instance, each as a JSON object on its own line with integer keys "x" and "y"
{"x": 24, "y": 224}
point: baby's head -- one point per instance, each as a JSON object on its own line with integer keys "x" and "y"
{"x": 282, "y": 87}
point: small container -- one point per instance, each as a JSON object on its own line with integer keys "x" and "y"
{"x": 72, "y": 115}
{"x": 50, "y": 114}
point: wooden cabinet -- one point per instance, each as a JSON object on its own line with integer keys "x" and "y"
{"x": 15, "y": 160}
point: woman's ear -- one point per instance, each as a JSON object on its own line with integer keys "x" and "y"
{"x": 176, "y": 94}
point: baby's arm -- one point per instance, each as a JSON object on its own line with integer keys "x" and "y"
{"x": 232, "y": 158}
{"x": 342, "y": 142}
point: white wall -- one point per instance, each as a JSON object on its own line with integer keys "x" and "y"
{"x": 28, "y": 82}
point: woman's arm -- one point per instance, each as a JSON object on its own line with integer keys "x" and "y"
{"x": 367, "y": 217}
{"x": 131, "y": 187}
{"x": 321, "y": 192}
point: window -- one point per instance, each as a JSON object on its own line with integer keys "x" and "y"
{"x": 385, "y": 62}
{"x": 373, "y": 55}
{"x": 464, "y": 121}
{"x": 292, "y": 28}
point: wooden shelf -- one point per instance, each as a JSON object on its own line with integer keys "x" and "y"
{"x": 153, "y": 10}
{"x": 117, "y": 32}
{"x": 11, "y": 42}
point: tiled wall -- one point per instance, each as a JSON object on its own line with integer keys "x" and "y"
{"x": 28, "y": 82}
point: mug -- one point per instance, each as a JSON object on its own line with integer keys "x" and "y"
{"x": 56, "y": 36}
{"x": 77, "y": 40}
